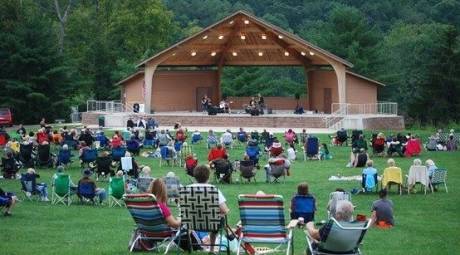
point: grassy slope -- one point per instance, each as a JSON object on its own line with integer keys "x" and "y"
{"x": 425, "y": 224}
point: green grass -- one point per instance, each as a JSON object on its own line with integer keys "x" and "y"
{"x": 424, "y": 224}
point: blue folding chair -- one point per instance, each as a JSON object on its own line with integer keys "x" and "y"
{"x": 64, "y": 157}
{"x": 311, "y": 148}
{"x": 118, "y": 153}
{"x": 89, "y": 156}
{"x": 303, "y": 206}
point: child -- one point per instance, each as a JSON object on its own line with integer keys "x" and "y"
{"x": 324, "y": 152}
{"x": 303, "y": 204}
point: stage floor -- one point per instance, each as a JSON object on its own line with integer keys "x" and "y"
{"x": 278, "y": 119}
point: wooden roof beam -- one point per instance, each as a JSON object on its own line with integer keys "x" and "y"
{"x": 228, "y": 43}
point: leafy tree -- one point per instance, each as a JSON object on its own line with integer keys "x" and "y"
{"x": 32, "y": 76}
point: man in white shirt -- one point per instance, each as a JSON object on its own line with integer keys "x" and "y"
{"x": 201, "y": 174}
{"x": 227, "y": 138}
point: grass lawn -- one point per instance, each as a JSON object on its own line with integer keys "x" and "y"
{"x": 424, "y": 224}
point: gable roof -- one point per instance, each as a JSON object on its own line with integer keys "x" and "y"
{"x": 365, "y": 78}
{"x": 243, "y": 39}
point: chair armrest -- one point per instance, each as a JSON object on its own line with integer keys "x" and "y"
{"x": 292, "y": 224}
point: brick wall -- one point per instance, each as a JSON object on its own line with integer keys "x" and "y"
{"x": 384, "y": 122}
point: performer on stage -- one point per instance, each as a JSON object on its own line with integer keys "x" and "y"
{"x": 224, "y": 105}
{"x": 205, "y": 102}
{"x": 260, "y": 100}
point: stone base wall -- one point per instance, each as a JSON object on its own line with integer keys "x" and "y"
{"x": 384, "y": 123}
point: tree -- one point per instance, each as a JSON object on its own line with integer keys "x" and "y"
{"x": 33, "y": 78}
{"x": 421, "y": 68}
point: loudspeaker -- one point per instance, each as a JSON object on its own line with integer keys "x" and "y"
{"x": 269, "y": 111}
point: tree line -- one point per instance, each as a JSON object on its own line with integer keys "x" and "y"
{"x": 58, "y": 53}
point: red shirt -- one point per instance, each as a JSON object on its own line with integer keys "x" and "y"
{"x": 216, "y": 154}
{"x": 164, "y": 209}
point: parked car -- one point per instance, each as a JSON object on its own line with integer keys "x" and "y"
{"x": 6, "y": 118}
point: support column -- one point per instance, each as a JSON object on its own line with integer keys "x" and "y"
{"x": 219, "y": 87}
{"x": 340, "y": 72}
{"x": 148, "y": 82}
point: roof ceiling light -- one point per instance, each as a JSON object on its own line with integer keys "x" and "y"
{"x": 303, "y": 53}
{"x": 260, "y": 53}
{"x": 264, "y": 37}
{"x": 193, "y": 53}
{"x": 286, "y": 54}
{"x": 221, "y": 37}
{"x": 234, "y": 54}
{"x": 243, "y": 37}
{"x": 205, "y": 37}
{"x": 246, "y": 21}
{"x": 174, "y": 54}
{"x": 213, "y": 53}
{"x": 312, "y": 53}
{"x": 280, "y": 36}
{"x": 231, "y": 22}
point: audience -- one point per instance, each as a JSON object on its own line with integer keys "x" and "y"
{"x": 227, "y": 138}
{"x": 100, "y": 192}
{"x": 40, "y": 188}
{"x": 303, "y": 204}
{"x": 217, "y": 152}
{"x": 369, "y": 180}
{"x": 382, "y": 211}
{"x": 358, "y": 160}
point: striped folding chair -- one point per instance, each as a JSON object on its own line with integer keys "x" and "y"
{"x": 262, "y": 221}
{"x": 150, "y": 223}
{"x": 199, "y": 207}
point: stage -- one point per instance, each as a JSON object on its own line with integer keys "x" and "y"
{"x": 279, "y": 119}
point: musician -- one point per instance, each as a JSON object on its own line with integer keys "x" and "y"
{"x": 253, "y": 103}
{"x": 205, "y": 102}
{"x": 260, "y": 100}
{"x": 224, "y": 106}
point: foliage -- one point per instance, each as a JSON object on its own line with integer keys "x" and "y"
{"x": 408, "y": 45}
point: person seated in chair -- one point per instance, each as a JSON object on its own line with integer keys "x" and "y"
{"x": 278, "y": 160}
{"x": 134, "y": 171}
{"x": 40, "y": 188}
{"x": 181, "y": 135}
{"x": 369, "y": 176}
{"x": 276, "y": 149}
{"x": 255, "y": 136}
{"x": 242, "y": 136}
{"x": 358, "y": 160}
{"x": 303, "y": 204}
{"x": 343, "y": 213}
{"x": 83, "y": 147}
{"x": 289, "y": 136}
{"x": 86, "y": 137}
{"x": 223, "y": 168}
{"x": 212, "y": 139}
{"x": 324, "y": 153}
{"x": 378, "y": 144}
{"x": 163, "y": 138}
{"x": 159, "y": 190}
{"x": 10, "y": 167}
{"x": 359, "y": 144}
{"x": 452, "y": 143}
{"x": 382, "y": 211}
{"x": 133, "y": 145}
{"x": 227, "y": 138}
{"x": 190, "y": 163}
{"x": 100, "y": 192}
{"x": 217, "y": 153}
{"x": 60, "y": 171}
{"x": 8, "y": 201}
{"x": 196, "y": 137}
{"x": 413, "y": 147}
{"x": 201, "y": 174}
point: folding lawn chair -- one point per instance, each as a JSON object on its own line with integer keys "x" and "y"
{"x": 303, "y": 206}
{"x": 248, "y": 170}
{"x": 439, "y": 177}
{"x": 143, "y": 184}
{"x": 29, "y": 186}
{"x": 89, "y": 156}
{"x": 311, "y": 148}
{"x": 392, "y": 175}
{"x": 166, "y": 155}
{"x": 262, "y": 221}
{"x": 104, "y": 167}
{"x": 334, "y": 197}
{"x": 417, "y": 174}
{"x": 199, "y": 208}
{"x": 172, "y": 186}
{"x": 61, "y": 190}
{"x": 25, "y": 154}
{"x": 44, "y": 156}
{"x": 118, "y": 153}
{"x": 277, "y": 170}
{"x": 116, "y": 191}
{"x": 64, "y": 157}
{"x": 86, "y": 192}
{"x": 343, "y": 238}
{"x": 150, "y": 223}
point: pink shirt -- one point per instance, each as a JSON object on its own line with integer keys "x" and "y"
{"x": 164, "y": 209}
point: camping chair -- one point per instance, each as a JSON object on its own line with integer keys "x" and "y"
{"x": 253, "y": 153}
{"x": 104, "y": 167}
{"x": 212, "y": 142}
{"x": 64, "y": 157}
{"x": 118, "y": 153}
{"x": 88, "y": 156}
{"x": 143, "y": 184}
{"x": 25, "y": 154}
{"x": 303, "y": 206}
{"x": 439, "y": 177}
{"x": 86, "y": 192}
{"x": 150, "y": 223}
{"x": 277, "y": 170}
{"x": 196, "y": 138}
{"x": 103, "y": 140}
{"x": 343, "y": 238}
{"x": 417, "y": 174}
{"x": 178, "y": 148}
{"x": 10, "y": 168}
{"x": 166, "y": 155}
{"x": 355, "y": 135}
{"x": 199, "y": 209}
{"x": 342, "y": 137}
{"x": 369, "y": 182}
{"x": 247, "y": 170}
{"x": 116, "y": 191}
{"x": 222, "y": 171}
{"x": 44, "y": 156}
{"x": 392, "y": 175}
{"x": 172, "y": 186}
{"x": 61, "y": 190}
{"x": 262, "y": 221}
{"x": 311, "y": 148}
{"x": 126, "y": 135}
{"x": 133, "y": 147}
{"x": 334, "y": 197}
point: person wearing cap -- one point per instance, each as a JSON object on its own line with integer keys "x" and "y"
{"x": 100, "y": 192}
